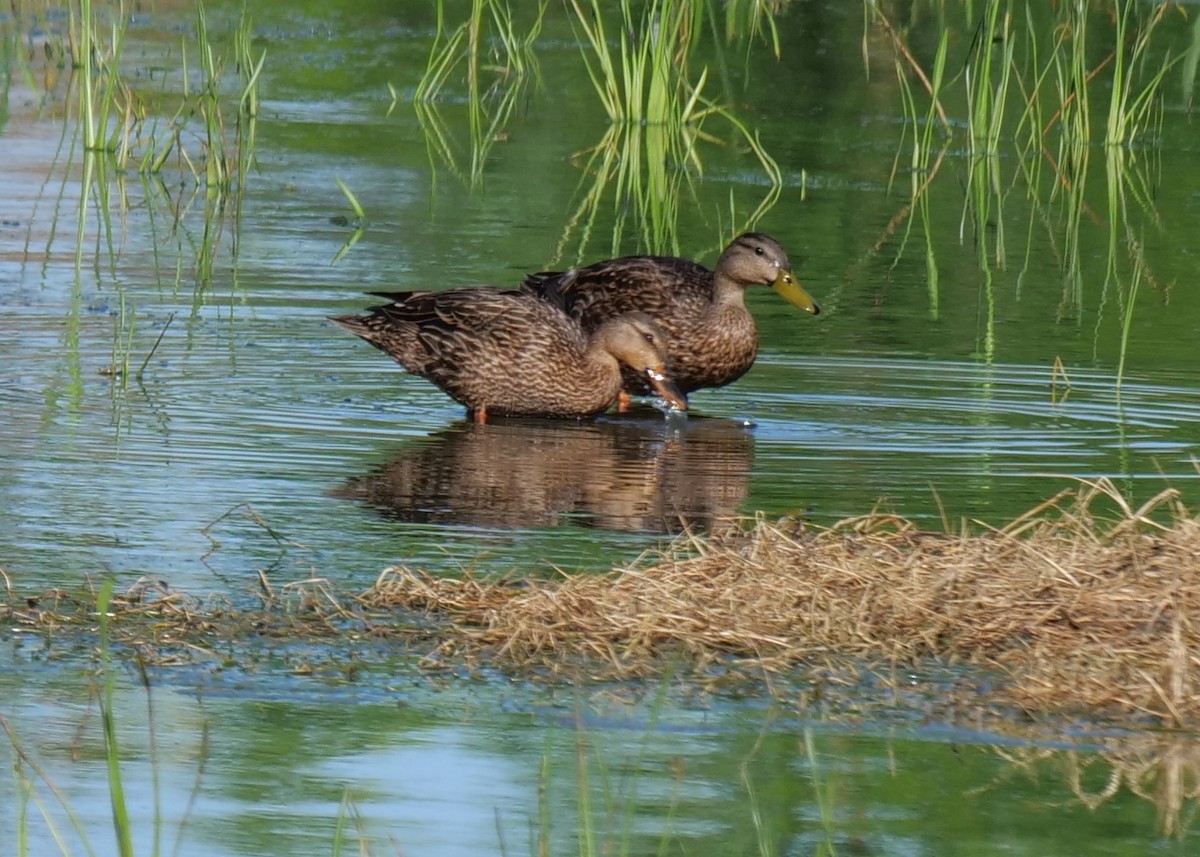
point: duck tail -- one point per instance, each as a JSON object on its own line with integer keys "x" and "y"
{"x": 353, "y": 323}
{"x": 368, "y": 327}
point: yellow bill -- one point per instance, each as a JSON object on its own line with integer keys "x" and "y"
{"x": 786, "y": 287}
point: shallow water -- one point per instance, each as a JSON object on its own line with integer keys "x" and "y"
{"x": 262, "y": 439}
{"x": 464, "y": 768}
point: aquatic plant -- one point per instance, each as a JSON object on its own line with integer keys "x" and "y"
{"x": 1005, "y": 63}
{"x": 606, "y": 801}
{"x": 112, "y": 751}
{"x": 656, "y": 114}
{"x": 823, "y": 795}
{"x": 1134, "y": 100}
{"x": 100, "y": 81}
{"x": 922, "y": 167}
{"x": 210, "y": 133}
{"x": 117, "y": 117}
{"x": 753, "y": 17}
{"x": 490, "y": 26}
{"x": 359, "y": 223}
{"x": 25, "y": 762}
{"x": 1190, "y": 64}
{"x": 656, "y": 110}
{"x": 1031, "y": 87}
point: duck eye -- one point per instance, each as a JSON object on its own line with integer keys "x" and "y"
{"x": 649, "y": 337}
{"x": 758, "y": 251}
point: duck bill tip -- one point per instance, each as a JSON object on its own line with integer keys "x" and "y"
{"x": 786, "y": 287}
{"x": 666, "y": 388}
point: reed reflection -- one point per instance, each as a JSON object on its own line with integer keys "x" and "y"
{"x": 631, "y": 473}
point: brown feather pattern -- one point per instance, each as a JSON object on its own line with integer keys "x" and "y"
{"x": 509, "y": 352}
{"x": 712, "y": 339}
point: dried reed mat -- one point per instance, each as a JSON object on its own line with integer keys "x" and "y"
{"x": 1070, "y": 605}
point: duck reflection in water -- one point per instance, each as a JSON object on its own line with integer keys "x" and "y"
{"x": 630, "y": 473}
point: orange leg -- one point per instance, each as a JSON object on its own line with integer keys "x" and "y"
{"x": 623, "y": 402}
{"x": 480, "y": 415}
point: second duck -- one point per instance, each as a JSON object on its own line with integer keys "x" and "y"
{"x": 712, "y": 339}
{"x": 509, "y": 352}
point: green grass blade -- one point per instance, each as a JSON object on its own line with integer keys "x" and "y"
{"x": 352, "y": 199}
{"x": 112, "y": 754}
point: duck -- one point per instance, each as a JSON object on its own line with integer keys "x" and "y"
{"x": 506, "y": 352}
{"x": 712, "y": 339}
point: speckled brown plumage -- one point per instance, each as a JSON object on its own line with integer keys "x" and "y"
{"x": 711, "y": 337}
{"x": 509, "y": 352}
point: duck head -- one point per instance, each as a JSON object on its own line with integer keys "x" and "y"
{"x": 638, "y": 342}
{"x": 757, "y": 259}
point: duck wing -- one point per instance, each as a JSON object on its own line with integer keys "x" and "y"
{"x": 660, "y": 286}
{"x": 447, "y": 322}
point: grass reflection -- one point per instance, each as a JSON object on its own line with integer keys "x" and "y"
{"x": 488, "y": 41}
{"x": 656, "y": 113}
{"x": 1161, "y": 769}
{"x": 1036, "y": 106}
{"x": 192, "y": 152}
{"x": 637, "y": 60}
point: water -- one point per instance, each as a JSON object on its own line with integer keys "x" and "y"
{"x": 261, "y": 439}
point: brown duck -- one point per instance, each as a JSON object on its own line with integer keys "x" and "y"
{"x": 507, "y": 352}
{"x": 712, "y": 339}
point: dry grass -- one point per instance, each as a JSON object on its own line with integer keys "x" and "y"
{"x": 1072, "y": 611}
{"x": 1082, "y": 606}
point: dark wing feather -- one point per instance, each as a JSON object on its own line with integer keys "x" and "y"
{"x": 661, "y": 286}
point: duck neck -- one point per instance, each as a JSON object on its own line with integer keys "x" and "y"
{"x": 599, "y": 369}
{"x": 598, "y": 360}
{"x": 727, "y": 294}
